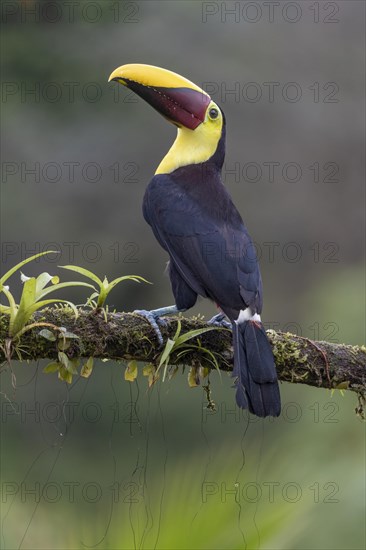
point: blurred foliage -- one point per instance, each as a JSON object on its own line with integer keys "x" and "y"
{"x": 187, "y": 476}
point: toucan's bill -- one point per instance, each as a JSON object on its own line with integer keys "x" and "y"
{"x": 175, "y": 97}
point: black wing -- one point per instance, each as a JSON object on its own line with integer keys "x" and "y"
{"x": 208, "y": 244}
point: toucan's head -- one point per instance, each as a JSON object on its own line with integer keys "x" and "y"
{"x": 199, "y": 120}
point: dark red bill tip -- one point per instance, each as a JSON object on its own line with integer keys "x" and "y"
{"x": 182, "y": 106}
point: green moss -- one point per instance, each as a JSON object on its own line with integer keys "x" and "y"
{"x": 288, "y": 352}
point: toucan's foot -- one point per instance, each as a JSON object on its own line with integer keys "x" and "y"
{"x": 154, "y": 318}
{"x": 154, "y": 321}
{"x": 219, "y": 320}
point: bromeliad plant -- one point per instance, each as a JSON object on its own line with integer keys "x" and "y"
{"x": 36, "y": 288}
{"x": 104, "y": 286}
{"x": 178, "y": 345}
{"x": 32, "y": 298}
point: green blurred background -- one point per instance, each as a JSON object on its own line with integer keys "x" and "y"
{"x": 105, "y": 463}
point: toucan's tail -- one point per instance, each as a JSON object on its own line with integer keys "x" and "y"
{"x": 255, "y": 371}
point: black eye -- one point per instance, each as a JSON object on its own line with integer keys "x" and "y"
{"x": 213, "y": 113}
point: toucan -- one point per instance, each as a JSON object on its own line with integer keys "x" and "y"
{"x": 195, "y": 221}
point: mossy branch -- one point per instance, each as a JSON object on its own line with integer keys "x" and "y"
{"x": 126, "y": 336}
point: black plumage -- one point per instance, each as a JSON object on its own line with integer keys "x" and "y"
{"x": 212, "y": 255}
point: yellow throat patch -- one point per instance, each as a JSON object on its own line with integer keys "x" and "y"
{"x": 194, "y": 146}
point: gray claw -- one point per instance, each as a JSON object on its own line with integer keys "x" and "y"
{"x": 219, "y": 320}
